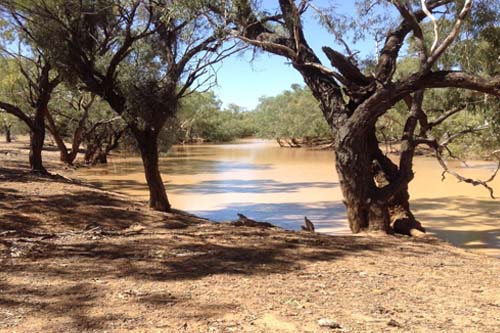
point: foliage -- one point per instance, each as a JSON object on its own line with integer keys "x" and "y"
{"x": 201, "y": 117}
{"x": 292, "y": 114}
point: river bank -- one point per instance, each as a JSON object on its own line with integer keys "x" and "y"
{"x": 281, "y": 186}
{"x": 75, "y": 258}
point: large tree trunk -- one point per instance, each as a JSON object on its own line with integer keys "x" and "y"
{"x": 386, "y": 172}
{"x": 363, "y": 170}
{"x": 148, "y": 146}
{"x": 37, "y": 138}
{"x": 353, "y": 161}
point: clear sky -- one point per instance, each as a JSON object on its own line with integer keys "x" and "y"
{"x": 243, "y": 83}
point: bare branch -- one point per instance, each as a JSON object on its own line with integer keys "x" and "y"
{"x": 438, "y": 148}
{"x": 473, "y": 182}
{"x": 451, "y": 36}
{"x": 386, "y": 65}
{"x": 434, "y": 24}
{"x": 350, "y": 71}
{"x": 445, "y": 116}
{"x": 14, "y": 110}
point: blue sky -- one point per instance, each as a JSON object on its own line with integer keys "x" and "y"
{"x": 243, "y": 82}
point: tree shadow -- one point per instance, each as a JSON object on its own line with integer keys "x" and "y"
{"x": 130, "y": 187}
{"x": 70, "y": 275}
{"x": 456, "y": 223}
{"x": 59, "y": 267}
{"x": 13, "y": 174}
{"x": 27, "y": 214}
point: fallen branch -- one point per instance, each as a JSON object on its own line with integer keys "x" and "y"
{"x": 244, "y": 221}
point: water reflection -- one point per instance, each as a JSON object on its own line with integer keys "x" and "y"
{"x": 282, "y": 186}
{"x": 246, "y": 186}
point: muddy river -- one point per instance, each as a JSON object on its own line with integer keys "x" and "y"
{"x": 281, "y": 186}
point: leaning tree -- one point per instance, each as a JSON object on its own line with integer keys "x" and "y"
{"x": 141, "y": 56}
{"x": 352, "y": 99}
{"x": 27, "y": 96}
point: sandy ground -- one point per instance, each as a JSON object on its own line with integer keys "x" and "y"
{"x": 74, "y": 258}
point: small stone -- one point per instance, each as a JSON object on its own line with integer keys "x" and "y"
{"x": 325, "y": 322}
{"x": 393, "y": 323}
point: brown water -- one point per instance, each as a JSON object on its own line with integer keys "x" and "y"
{"x": 282, "y": 186}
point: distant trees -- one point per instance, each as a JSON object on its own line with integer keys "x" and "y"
{"x": 202, "y": 118}
{"x": 290, "y": 117}
{"x": 352, "y": 99}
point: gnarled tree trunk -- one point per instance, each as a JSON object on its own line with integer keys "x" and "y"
{"x": 376, "y": 195}
{"x": 353, "y": 161}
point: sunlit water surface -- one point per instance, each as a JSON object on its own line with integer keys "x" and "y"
{"x": 281, "y": 186}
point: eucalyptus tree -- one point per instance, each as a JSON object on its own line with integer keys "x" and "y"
{"x": 80, "y": 118}
{"x": 27, "y": 87}
{"x": 141, "y": 56}
{"x": 375, "y": 188}
{"x": 67, "y": 119}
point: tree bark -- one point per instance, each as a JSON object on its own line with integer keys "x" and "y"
{"x": 63, "y": 150}
{"x": 37, "y": 138}
{"x": 402, "y": 219}
{"x": 8, "y": 137}
{"x": 386, "y": 172}
{"x": 353, "y": 161}
{"x": 148, "y": 146}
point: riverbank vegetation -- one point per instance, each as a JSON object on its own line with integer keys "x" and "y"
{"x": 150, "y": 65}
{"x": 136, "y": 75}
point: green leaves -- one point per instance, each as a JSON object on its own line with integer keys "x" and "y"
{"x": 293, "y": 113}
{"x": 201, "y": 117}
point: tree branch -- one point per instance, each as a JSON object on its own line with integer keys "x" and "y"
{"x": 14, "y": 110}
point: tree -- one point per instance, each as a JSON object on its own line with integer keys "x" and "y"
{"x": 74, "y": 121}
{"x": 80, "y": 117}
{"x": 101, "y": 138}
{"x": 31, "y": 87}
{"x": 352, "y": 100}
{"x": 141, "y": 56}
